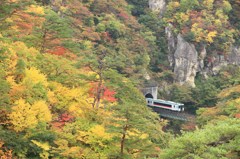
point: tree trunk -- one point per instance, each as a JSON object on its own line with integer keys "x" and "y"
{"x": 123, "y": 139}
{"x": 42, "y": 49}
{"x": 99, "y": 92}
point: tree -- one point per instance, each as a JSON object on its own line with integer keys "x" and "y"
{"x": 4, "y": 90}
{"x": 20, "y": 70}
{"x": 99, "y": 62}
{"x": 55, "y": 31}
{"x": 139, "y": 6}
{"x": 217, "y": 140}
{"x": 138, "y": 129}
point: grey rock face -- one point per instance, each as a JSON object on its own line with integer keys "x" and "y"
{"x": 171, "y": 44}
{"x": 185, "y": 62}
{"x": 157, "y": 5}
{"x": 234, "y": 56}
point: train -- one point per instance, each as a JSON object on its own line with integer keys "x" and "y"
{"x": 165, "y": 104}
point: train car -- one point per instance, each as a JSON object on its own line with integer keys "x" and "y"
{"x": 165, "y": 104}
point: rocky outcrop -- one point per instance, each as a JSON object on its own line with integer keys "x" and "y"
{"x": 157, "y": 5}
{"x": 234, "y": 56}
{"x": 171, "y": 44}
{"x": 219, "y": 61}
{"x": 185, "y": 62}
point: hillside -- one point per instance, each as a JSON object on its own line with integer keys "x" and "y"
{"x": 70, "y": 73}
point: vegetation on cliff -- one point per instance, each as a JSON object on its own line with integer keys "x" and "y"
{"x": 69, "y": 72}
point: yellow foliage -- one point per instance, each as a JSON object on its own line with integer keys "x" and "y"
{"x": 208, "y": 4}
{"x": 26, "y": 116}
{"x": 226, "y": 92}
{"x": 11, "y": 57}
{"x": 100, "y": 132}
{"x": 220, "y": 14}
{"x": 52, "y": 98}
{"x": 181, "y": 18}
{"x": 45, "y": 146}
{"x": 11, "y": 81}
{"x": 173, "y": 5}
{"x": 34, "y": 76}
{"x": 184, "y": 17}
{"x": 210, "y": 36}
{"x": 227, "y": 6}
{"x": 43, "y": 113}
{"x": 198, "y": 32}
{"x": 88, "y": 45}
{"x": 14, "y": 51}
{"x": 35, "y": 9}
{"x": 22, "y": 116}
{"x": 218, "y": 23}
{"x": 137, "y": 133}
{"x": 24, "y": 51}
{"x": 8, "y": 20}
{"x": 73, "y": 100}
{"x": 75, "y": 110}
{"x": 96, "y": 136}
{"x": 14, "y": 27}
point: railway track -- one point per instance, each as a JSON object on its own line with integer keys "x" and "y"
{"x": 174, "y": 114}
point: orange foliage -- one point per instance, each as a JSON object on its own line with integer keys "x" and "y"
{"x": 237, "y": 115}
{"x": 65, "y": 117}
{"x": 62, "y": 51}
{"x": 17, "y": 91}
{"x": 91, "y": 35}
{"x": 83, "y": 11}
{"x": 62, "y": 120}
{"x": 123, "y": 15}
{"x": 3, "y": 117}
{"x": 106, "y": 36}
{"x": 26, "y": 22}
{"x": 107, "y": 94}
{"x": 4, "y": 152}
{"x": 59, "y": 50}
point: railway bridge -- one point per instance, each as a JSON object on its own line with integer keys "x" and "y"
{"x": 183, "y": 116}
{"x": 152, "y": 92}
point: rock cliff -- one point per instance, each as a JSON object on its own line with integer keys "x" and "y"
{"x": 185, "y": 60}
{"x": 157, "y": 6}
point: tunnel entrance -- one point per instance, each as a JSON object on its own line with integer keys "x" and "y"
{"x": 149, "y": 95}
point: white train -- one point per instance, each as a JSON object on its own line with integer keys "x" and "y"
{"x": 165, "y": 104}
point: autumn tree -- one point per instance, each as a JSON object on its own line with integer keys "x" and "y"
{"x": 138, "y": 129}
{"x": 218, "y": 140}
{"x": 55, "y": 31}
{"x": 99, "y": 62}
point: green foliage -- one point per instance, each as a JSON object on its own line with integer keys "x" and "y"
{"x": 4, "y": 91}
{"x": 54, "y": 55}
{"x": 139, "y": 6}
{"x": 206, "y": 94}
{"x": 203, "y": 22}
{"x": 219, "y": 140}
{"x": 156, "y": 28}
{"x": 20, "y": 70}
